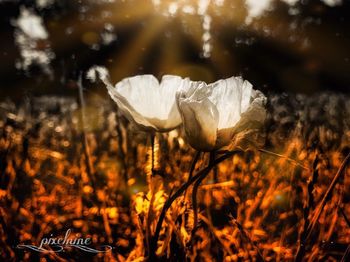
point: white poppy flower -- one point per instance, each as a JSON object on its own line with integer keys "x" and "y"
{"x": 146, "y": 102}
{"x": 214, "y": 113}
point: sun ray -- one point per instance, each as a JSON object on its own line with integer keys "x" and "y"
{"x": 171, "y": 51}
{"x": 129, "y": 58}
{"x": 128, "y": 13}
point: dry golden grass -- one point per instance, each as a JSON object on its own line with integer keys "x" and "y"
{"x": 257, "y": 206}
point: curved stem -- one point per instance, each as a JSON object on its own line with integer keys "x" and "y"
{"x": 193, "y": 164}
{"x": 152, "y": 157}
{"x": 215, "y": 170}
{"x": 121, "y": 153}
{"x": 150, "y": 208}
{"x": 195, "y": 191}
{"x": 294, "y": 162}
{"x": 182, "y": 189}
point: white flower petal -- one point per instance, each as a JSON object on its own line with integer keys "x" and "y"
{"x": 148, "y": 103}
{"x": 247, "y": 89}
{"x": 200, "y": 120}
{"x": 229, "y": 105}
{"x": 226, "y": 95}
{"x": 246, "y": 132}
{"x": 129, "y": 112}
{"x": 141, "y": 92}
{"x": 255, "y": 115}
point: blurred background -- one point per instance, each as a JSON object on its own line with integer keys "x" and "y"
{"x": 278, "y": 45}
{"x": 69, "y": 164}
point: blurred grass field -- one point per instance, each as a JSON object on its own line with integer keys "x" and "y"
{"x": 257, "y": 206}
